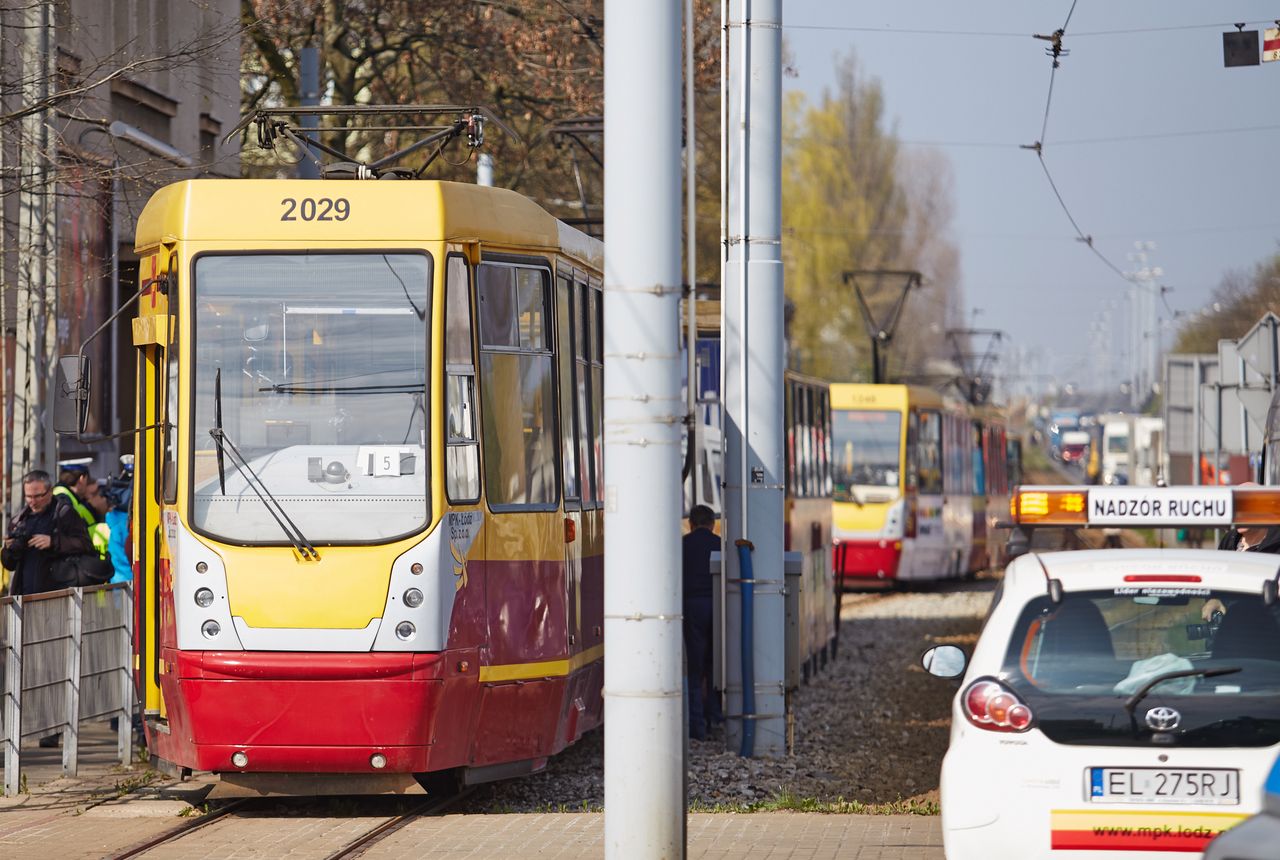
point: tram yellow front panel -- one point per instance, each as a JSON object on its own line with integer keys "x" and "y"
{"x": 346, "y": 589}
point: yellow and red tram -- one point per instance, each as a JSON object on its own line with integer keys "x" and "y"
{"x": 367, "y": 525}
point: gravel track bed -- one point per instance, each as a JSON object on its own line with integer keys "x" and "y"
{"x": 871, "y": 727}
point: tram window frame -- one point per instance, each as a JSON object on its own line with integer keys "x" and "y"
{"x": 789, "y": 440}
{"x": 172, "y": 353}
{"x": 460, "y": 371}
{"x": 582, "y": 394}
{"x": 595, "y": 294}
{"x": 191, "y": 431}
{"x": 524, "y": 345}
{"x": 928, "y": 483}
{"x": 566, "y": 390}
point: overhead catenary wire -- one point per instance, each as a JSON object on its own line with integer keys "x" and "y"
{"x": 1010, "y": 34}
{"x": 1057, "y": 52}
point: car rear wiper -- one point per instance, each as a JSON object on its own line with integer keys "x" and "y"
{"x": 227, "y": 447}
{"x": 1132, "y": 701}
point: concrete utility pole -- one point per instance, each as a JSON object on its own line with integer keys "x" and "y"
{"x": 34, "y": 443}
{"x": 752, "y": 332}
{"x": 643, "y": 415}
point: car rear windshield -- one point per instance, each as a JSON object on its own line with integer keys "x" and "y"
{"x": 1114, "y": 642}
{"x": 1092, "y": 666}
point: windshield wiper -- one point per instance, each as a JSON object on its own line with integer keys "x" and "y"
{"x": 225, "y": 445}
{"x": 1132, "y": 701}
{"x": 400, "y": 388}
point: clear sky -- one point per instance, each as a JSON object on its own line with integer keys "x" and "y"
{"x": 1149, "y": 139}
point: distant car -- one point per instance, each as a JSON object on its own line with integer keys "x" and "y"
{"x": 1120, "y": 702}
{"x": 1257, "y": 837}
{"x": 1075, "y": 445}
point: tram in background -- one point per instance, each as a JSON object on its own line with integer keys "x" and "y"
{"x": 807, "y": 501}
{"x": 919, "y": 484}
{"x": 367, "y": 525}
{"x": 807, "y": 514}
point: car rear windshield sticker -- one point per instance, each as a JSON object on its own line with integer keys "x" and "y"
{"x": 1160, "y": 591}
{"x": 1136, "y": 506}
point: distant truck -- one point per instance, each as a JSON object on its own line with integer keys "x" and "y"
{"x": 1075, "y": 446}
{"x": 1132, "y": 450}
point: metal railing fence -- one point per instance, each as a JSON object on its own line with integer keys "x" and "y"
{"x": 67, "y": 661}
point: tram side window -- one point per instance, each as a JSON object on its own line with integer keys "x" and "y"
{"x": 568, "y": 385}
{"x": 171, "y": 352}
{"x": 788, "y": 408}
{"x": 979, "y": 456}
{"x": 518, "y": 410}
{"x": 912, "y": 477}
{"x": 462, "y": 449}
{"x": 824, "y": 442}
{"x": 597, "y": 384}
{"x": 929, "y": 454}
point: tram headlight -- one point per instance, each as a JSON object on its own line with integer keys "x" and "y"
{"x": 239, "y": 759}
{"x": 201, "y": 567}
{"x": 413, "y": 598}
{"x": 210, "y": 628}
{"x": 204, "y": 597}
{"x": 405, "y": 631}
{"x": 378, "y": 761}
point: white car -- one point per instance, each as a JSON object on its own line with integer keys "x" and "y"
{"x": 1119, "y": 703}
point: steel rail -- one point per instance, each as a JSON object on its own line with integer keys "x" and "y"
{"x": 433, "y": 806}
{"x": 178, "y": 833}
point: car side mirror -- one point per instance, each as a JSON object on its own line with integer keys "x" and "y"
{"x": 1019, "y": 543}
{"x": 71, "y": 395}
{"x": 944, "y": 661}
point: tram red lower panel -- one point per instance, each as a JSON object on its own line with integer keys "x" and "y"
{"x": 867, "y": 562}
{"x": 331, "y": 712}
{"x": 314, "y": 713}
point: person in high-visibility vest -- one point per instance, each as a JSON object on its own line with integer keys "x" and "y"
{"x": 78, "y": 488}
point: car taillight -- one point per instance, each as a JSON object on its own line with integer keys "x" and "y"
{"x": 992, "y": 706}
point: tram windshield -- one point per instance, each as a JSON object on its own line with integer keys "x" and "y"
{"x": 323, "y": 365}
{"x": 865, "y": 453}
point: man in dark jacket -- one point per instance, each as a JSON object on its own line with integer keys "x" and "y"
{"x": 1252, "y": 539}
{"x": 43, "y": 531}
{"x": 698, "y": 545}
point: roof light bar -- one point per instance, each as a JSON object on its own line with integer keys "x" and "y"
{"x": 1145, "y": 507}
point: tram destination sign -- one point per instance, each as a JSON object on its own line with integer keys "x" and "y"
{"x": 1160, "y": 506}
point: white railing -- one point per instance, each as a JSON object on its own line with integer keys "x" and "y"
{"x": 67, "y": 661}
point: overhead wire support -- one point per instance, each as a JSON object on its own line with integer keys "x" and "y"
{"x": 1057, "y": 52}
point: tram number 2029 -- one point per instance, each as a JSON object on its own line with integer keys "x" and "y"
{"x": 315, "y": 209}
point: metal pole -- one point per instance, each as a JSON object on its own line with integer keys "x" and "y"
{"x": 691, "y": 248}
{"x": 13, "y": 698}
{"x": 71, "y": 733}
{"x": 643, "y": 416}
{"x": 484, "y": 173}
{"x": 124, "y": 727}
{"x": 115, "y": 302}
{"x": 309, "y": 80}
{"x": 753, "y": 342}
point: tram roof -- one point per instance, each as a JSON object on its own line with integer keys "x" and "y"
{"x": 866, "y": 395}
{"x": 250, "y": 212}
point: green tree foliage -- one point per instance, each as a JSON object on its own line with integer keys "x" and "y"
{"x": 1239, "y": 301}
{"x": 853, "y": 201}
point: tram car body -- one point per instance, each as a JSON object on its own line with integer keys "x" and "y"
{"x": 367, "y": 525}
{"x": 910, "y": 485}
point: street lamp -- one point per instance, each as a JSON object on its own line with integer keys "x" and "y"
{"x": 118, "y": 130}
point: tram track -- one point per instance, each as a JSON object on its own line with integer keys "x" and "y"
{"x": 351, "y": 849}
